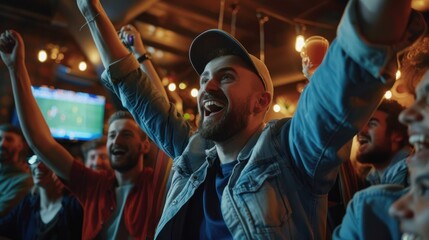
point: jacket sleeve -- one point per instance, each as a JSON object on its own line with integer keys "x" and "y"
{"x": 367, "y": 216}
{"x": 157, "y": 117}
{"x": 341, "y": 96}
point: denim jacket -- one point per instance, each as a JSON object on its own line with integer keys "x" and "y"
{"x": 367, "y": 215}
{"x": 278, "y": 189}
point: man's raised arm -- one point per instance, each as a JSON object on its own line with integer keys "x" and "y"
{"x": 33, "y": 125}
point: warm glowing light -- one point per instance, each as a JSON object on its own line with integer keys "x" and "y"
{"x": 276, "y": 108}
{"x": 398, "y": 74}
{"x": 165, "y": 81}
{"x": 42, "y": 56}
{"x": 159, "y": 54}
{"x": 182, "y": 85}
{"x": 420, "y": 5}
{"x": 150, "y": 49}
{"x": 194, "y": 92}
{"x": 172, "y": 87}
{"x": 388, "y": 95}
{"x": 151, "y": 29}
{"x": 82, "y": 66}
{"x": 299, "y": 43}
{"x": 160, "y": 33}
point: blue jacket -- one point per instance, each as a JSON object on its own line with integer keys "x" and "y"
{"x": 278, "y": 189}
{"x": 367, "y": 215}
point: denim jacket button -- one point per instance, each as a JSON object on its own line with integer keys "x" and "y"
{"x": 173, "y": 202}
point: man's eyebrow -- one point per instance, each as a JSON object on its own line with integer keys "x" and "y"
{"x": 223, "y": 69}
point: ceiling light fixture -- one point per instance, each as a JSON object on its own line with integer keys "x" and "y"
{"x": 234, "y": 10}
{"x": 300, "y": 40}
{"x": 262, "y": 18}
{"x": 221, "y": 12}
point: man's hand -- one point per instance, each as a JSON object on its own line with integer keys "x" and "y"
{"x": 11, "y": 48}
{"x": 132, "y": 40}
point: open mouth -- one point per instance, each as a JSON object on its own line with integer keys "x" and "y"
{"x": 419, "y": 141}
{"x": 410, "y": 236}
{"x": 212, "y": 107}
{"x": 117, "y": 152}
{"x": 362, "y": 140}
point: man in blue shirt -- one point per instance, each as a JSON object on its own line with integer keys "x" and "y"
{"x": 283, "y": 170}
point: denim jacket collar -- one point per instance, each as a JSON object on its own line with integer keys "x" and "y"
{"x": 244, "y": 153}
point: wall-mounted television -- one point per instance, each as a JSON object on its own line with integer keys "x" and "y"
{"x": 71, "y": 115}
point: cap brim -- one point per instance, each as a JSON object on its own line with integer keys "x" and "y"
{"x": 209, "y": 42}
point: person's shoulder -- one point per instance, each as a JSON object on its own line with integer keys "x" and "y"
{"x": 380, "y": 192}
{"x": 69, "y": 199}
{"x": 276, "y": 125}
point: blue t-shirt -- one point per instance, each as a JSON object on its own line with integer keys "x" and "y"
{"x": 213, "y": 226}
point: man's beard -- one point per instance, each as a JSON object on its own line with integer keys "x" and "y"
{"x": 375, "y": 156}
{"x": 231, "y": 123}
{"x": 131, "y": 162}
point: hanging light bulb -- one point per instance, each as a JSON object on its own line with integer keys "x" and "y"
{"x": 42, "y": 56}
{"x": 172, "y": 87}
{"x": 300, "y": 40}
{"x": 299, "y": 43}
{"x": 388, "y": 94}
{"x": 194, "y": 92}
{"x": 398, "y": 74}
{"x": 82, "y": 66}
{"x": 182, "y": 85}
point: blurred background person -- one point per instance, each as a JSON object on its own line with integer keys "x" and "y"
{"x": 15, "y": 181}
{"x": 383, "y": 144}
{"x": 95, "y": 154}
{"x": 412, "y": 209}
{"x": 47, "y": 212}
{"x": 368, "y": 215}
{"x": 117, "y": 206}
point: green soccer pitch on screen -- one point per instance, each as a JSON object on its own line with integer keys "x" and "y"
{"x": 71, "y": 115}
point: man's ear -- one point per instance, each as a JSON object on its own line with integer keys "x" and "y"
{"x": 263, "y": 102}
{"x": 396, "y": 137}
{"x": 145, "y": 146}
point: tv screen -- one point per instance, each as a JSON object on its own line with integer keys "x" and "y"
{"x": 71, "y": 115}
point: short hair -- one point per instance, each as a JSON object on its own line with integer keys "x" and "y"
{"x": 122, "y": 114}
{"x": 392, "y": 108}
{"x": 11, "y": 128}
{"x": 415, "y": 63}
{"x": 91, "y": 145}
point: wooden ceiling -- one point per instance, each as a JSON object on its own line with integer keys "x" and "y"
{"x": 170, "y": 25}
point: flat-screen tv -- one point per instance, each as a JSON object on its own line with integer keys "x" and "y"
{"x": 71, "y": 115}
